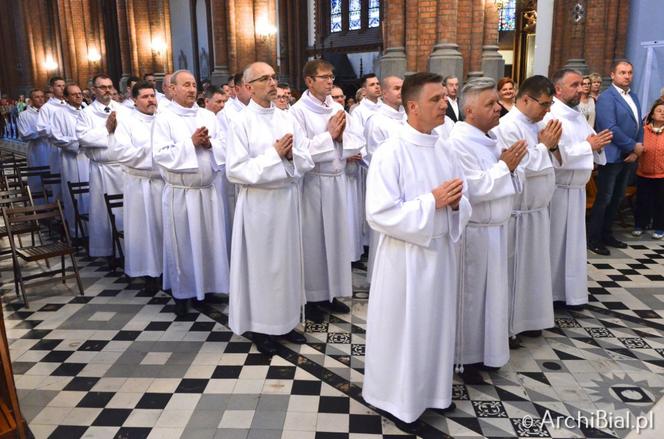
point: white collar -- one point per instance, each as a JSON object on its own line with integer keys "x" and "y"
{"x": 418, "y": 138}
{"x": 315, "y": 105}
{"x": 183, "y": 111}
{"x": 390, "y": 112}
{"x": 253, "y": 106}
{"x": 142, "y": 116}
{"x": 621, "y": 91}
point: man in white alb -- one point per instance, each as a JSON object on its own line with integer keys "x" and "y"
{"x": 143, "y": 188}
{"x": 75, "y": 164}
{"x": 266, "y": 157}
{"x": 39, "y": 149}
{"x": 579, "y": 149}
{"x": 106, "y": 174}
{"x": 492, "y": 184}
{"x": 416, "y": 200}
{"x": 529, "y": 267}
{"x": 331, "y": 140}
{"x": 189, "y": 151}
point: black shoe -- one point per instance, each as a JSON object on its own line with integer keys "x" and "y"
{"x": 295, "y": 337}
{"x": 448, "y": 409}
{"x": 613, "y": 242}
{"x": 359, "y": 265}
{"x": 488, "y": 368}
{"x": 181, "y": 307}
{"x": 264, "y": 344}
{"x": 600, "y": 249}
{"x": 514, "y": 343}
{"x": 313, "y": 313}
{"x": 471, "y": 375}
{"x": 533, "y": 334}
{"x": 407, "y": 427}
{"x": 336, "y": 306}
{"x": 575, "y": 307}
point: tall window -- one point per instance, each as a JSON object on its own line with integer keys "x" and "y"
{"x": 355, "y": 14}
{"x": 374, "y": 13}
{"x": 335, "y": 15}
{"x": 506, "y": 15}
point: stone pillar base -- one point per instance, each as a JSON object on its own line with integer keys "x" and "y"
{"x": 493, "y": 64}
{"x": 219, "y": 75}
{"x": 445, "y": 59}
{"x": 578, "y": 64}
{"x": 393, "y": 62}
{"x": 475, "y": 74}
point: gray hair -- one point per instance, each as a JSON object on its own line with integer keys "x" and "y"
{"x": 473, "y": 88}
{"x": 559, "y": 75}
{"x": 175, "y": 74}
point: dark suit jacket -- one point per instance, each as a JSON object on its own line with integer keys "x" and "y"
{"x": 450, "y": 112}
{"x": 613, "y": 112}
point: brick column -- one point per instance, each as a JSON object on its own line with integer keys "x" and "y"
{"x": 220, "y": 72}
{"x": 393, "y": 61}
{"x": 445, "y": 59}
{"x": 493, "y": 64}
{"x": 476, "y": 39}
{"x": 577, "y": 16}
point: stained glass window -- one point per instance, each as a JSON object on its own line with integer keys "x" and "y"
{"x": 506, "y": 15}
{"x": 374, "y": 13}
{"x": 335, "y": 15}
{"x": 354, "y": 14}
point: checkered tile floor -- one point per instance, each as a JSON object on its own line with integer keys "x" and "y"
{"x": 117, "y": 363}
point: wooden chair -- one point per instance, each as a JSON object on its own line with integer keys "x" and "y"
{"x": 18, "y": 198}
{"x": 76, "y": 189}
{"x": 113, "y": 202}
{"x": 18, "y": 216}
{"x": 47, "y": 182}
{"x": 36, "y": 173}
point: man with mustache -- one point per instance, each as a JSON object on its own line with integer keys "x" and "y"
{"x": 143, "y": 187}
{"x": 95, "y": 123}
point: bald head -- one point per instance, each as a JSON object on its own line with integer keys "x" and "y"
{"x": 260, "y": 82}
{"x": 183, "y": 88}
{"x": 391, "y": 88}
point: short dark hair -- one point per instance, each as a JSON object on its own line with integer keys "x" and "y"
{"x": 312, "y": 67}
{"x": 145, "y": 75}
{"x": 619, "y": 61}
{"x": 140, "y": 85}
{"x": 99, "y": 76}
{"x": 52, "y": 80}
{"x": 213, "y": 90}
{"x": 560, "y": 74}
{"x": 364, "y": 78}
{"x": 34, "y": 90}
{"x": 230, "y": 78}
{"x": 536, "y": 86}
{"x": 70, "y": 84}
{"x": 283, "y": 85}
{"x": 412, "y": 85}
{"x": 237, "y": 78}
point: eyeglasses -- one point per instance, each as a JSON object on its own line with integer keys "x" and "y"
{"x": 324, "y": 77}
{"x": 542, "y": 104}
{"x": 265, "y": 78}
{"x": 282, "y": 97}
